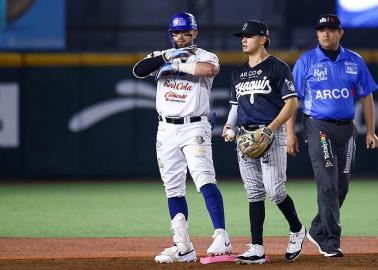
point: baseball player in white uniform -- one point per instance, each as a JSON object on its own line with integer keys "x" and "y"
{"x": 184, "y": 76}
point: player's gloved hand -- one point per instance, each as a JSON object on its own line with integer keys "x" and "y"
{"x": 178, "y": 53}
{"x": 167, "y": 69}
{"x": 254, "y": 144}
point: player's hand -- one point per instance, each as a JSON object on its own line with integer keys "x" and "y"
{"x": 292, "y": 144}
{"x": 178, "y": 53}
{"x": 167, "y": 69}
{"x": 371, "y": 141}
{"x": 228, "y": 133}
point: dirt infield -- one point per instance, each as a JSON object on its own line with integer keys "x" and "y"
{"x": 138, "y": 253}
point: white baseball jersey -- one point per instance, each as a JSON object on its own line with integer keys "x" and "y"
{"x": 184, "y": 94}
{"x": 182, "y": 146}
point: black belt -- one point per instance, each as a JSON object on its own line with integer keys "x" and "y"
{"x": 252, "y": 127}
{"x": 179, "y": 120}
{"x": 333, "y": 121}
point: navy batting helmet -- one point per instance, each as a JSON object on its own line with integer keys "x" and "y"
{"x": 182, "y": 21}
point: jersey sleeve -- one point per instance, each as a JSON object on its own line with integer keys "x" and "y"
{"x": 233, "y": 98}
{"x": 285, "y": 83}
{"x": 209, "y": 57}
{"x": 299, "y": 77}
{"x": 366, "y": 84}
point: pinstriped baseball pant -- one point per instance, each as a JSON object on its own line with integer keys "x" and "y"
{"x": 266, "y": 175}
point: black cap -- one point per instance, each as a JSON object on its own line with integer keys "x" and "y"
{"x": 253, "y": 28}
{"x": 328, "y": 21}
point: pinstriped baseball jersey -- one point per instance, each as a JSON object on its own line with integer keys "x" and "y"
{"x": 260, "y": 91}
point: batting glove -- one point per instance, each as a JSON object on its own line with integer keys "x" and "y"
{"x": 168, "y": 69}
{"x": 178, "y": 53}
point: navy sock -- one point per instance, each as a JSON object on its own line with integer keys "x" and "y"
{"x": 256, "y": 219}
{"x": 214, "y": 203}
{"x": 287, "y": 208}
{"x": 177, "y": 205}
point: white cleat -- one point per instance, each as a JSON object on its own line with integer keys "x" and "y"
{"x": 295, "y": 244}
{"x": 254, "y": 255}
{"x": 173, "y": 254}
{"x": 221, "y": 244}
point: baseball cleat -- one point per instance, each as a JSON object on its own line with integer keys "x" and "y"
{"x": 254, "y": 255}
{"x": 221, "y": 244}
{"x": 173, "y": 254}
{"x": 295, "y": 244}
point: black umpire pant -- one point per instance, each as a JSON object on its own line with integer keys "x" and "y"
{"x": 331, "y": 148}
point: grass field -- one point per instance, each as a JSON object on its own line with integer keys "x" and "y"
{"x": 139, "y": 208}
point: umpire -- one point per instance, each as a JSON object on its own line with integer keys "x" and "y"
{"x": 329, "y": 79}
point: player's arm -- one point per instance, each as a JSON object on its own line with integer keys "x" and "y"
{"x": 157, "y": 59}
{"x": 206, "y": 69}
{"x": 148, "y": 65}
{"x": 291, "y": 105}
{"x": 231, "y": 123}
{"x": 369, "y": 115}
{"x": 292, "y": 140}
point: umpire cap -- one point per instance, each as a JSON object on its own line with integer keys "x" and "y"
{"x": 328, "y": 21}
{"x": 254, "y": 27}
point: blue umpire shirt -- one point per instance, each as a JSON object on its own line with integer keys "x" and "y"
{"x": 328, "y": 89}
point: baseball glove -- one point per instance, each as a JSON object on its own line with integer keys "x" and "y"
{"x": 254, "y": 144}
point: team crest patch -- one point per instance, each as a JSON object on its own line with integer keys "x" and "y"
{"x": 199, "y": 140}
{"x": 351, "y": 68}
{"x": 290, "y": 85}
{"x": 321, "y": 73}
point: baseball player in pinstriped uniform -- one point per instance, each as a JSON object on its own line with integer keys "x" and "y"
{"x": 328, "y": 79}
{"x": 184, "y": 77}
{"x": 262, "y": 94}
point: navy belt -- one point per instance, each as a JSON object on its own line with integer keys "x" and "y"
{"x": 179, "y": 120}
{"x": 333, "y": 121}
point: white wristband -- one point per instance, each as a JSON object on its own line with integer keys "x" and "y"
{"x": 189, "y": 68}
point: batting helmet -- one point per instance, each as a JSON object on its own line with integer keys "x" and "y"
{"x": 182, "y": 21}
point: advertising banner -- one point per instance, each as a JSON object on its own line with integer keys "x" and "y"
{"x": 32, "y": 24}
{"x": 100, "y": 122}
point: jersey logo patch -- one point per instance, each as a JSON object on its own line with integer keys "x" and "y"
{"x": 351, "y": 68}
{"x": 252, "y": 88}
{"x": 250, "y": 74}
{"x": 199, "y": 140}
{"x": 321, "y": 73}
{"x": 332, "y": 93}
{"x": 290, "y": 85}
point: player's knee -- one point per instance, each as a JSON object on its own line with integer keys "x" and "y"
{"x": 255, "y": 197}
{"x": 202, "y": 181}
{"x": 176, "y": 191}
{"x": 277, "y": 197}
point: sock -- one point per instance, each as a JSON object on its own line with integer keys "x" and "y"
{"x": 287, "y": 208}
{"x": 214, "y": 203}
{"x": 177, "y": 205}
{"x": 256, "y": 219}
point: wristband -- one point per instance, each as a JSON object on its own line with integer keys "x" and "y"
{"x": 188, "y": 68}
